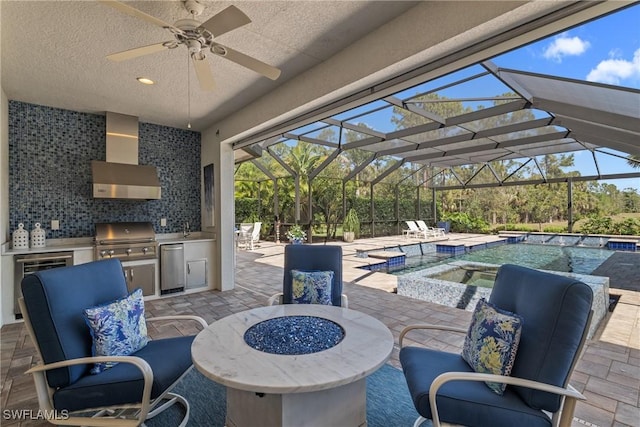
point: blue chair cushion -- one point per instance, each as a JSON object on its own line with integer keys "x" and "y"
{"x": 117, "y": 329}
{"x": 311, "y": 287}
{"x": 169, "y": 359}
{"x": 309, "y": 258}
{"x": 55, "y": 300}
{"x": 470, "y": 403}
{"x": 556, "y": 312}
{"x": 492, "y": 342}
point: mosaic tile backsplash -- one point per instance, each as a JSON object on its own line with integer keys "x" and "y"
{"x": 50, "y": 153}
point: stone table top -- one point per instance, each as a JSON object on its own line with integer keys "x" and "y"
{"x": 220, "y": 352}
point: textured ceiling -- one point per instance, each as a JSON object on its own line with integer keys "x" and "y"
{"x": 53, "y": 53}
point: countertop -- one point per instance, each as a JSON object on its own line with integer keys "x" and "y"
{"x": 86, "y": 243}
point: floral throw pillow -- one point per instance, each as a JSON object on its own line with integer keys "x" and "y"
{"x": 492, "y": 342}
{"x": 311, "y": 287}
{"x": 118, "y": 328}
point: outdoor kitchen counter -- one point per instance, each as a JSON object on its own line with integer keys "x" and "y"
{"x": 81, "y": 244}
{"x": 52, "y": 245}
{"x": 193, "y": 238}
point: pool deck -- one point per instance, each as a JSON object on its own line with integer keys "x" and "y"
{"x": 623, "y": 270}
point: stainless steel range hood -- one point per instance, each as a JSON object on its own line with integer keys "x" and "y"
{"x": 121, "y": 177}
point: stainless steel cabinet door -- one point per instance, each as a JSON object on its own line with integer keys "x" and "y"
{"x": 196, "y": 273}
{"x": 141, "y": 276}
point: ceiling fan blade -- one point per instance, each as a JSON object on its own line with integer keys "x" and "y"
{"x": 246, "y": 61}
{"x": 204, "y": 74}
{"x": 227, "y": 20}
{"x": 138, "y": 51}
{"x": 132, "y": 11}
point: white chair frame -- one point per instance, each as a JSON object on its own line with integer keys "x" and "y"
{"x": 122, "y": 416}
{"x": 434, "y": 232}
{"x": 414, "y": 230}
{"x": 250, "y": 235}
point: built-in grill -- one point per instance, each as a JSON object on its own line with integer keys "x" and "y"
{"x": 127, "y": 241}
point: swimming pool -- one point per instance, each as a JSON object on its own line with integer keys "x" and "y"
{"x": 479, "y": 276}
{"x": 450, "y": 285}
{"x": 569, "y": 259}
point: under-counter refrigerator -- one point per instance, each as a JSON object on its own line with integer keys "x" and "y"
{"x": 172, "y": 277}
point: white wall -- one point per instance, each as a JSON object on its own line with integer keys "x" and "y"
{"x": 4, "y": 189}
{"x": 6, "y": 266}
{"x": 221, "y": 155}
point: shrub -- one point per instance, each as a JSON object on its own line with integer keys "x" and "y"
{"x": 627, "y": 227}
{"x": 597, "y": 225}
{"x": 461, "y": 222}
{"x": 605, "y": 225}
{"x": 555, "y": 229}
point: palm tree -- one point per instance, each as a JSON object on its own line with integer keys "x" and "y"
{"x": 634, "y": 161}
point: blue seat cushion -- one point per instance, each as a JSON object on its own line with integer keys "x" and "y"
{"x": 470, "y": 403}
{"x": 556, "y": 312}
{"x": 313, "y": 258}
{"x": 169, "y": 358}
{"x": 55, "y": 300}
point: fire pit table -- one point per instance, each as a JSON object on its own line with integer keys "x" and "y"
{"x": 294, "y": 364}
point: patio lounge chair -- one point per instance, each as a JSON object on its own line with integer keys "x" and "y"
{"x": 414, "y": 230}
{"x": 69, "y": 378}
{"x": 434, "y": 232}
{"x": 554, "y": 313}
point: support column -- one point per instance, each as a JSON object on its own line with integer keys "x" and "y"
{"x": 434, "y": 206}
{"x": 297, "y": 201}
{"x": 397, "y": 213}
{"x": 224, "y": 212}
{"x": 372, "y": 210}
{"x": 570, "y": 205}
{"x": 310, "y": 202}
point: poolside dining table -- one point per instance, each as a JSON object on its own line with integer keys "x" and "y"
{"x": 294, "y": 364}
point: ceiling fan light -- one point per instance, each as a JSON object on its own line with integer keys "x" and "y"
{"x": 145, "y": 80}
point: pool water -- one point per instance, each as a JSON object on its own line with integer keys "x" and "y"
{"x": 483, "y": 277}
{"x": 570, "y": 259}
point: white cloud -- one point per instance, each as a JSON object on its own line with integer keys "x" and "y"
{"x": 564, "y": 45}
{"x": 613, "y": 70}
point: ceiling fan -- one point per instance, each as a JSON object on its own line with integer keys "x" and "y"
{"x": 198, "y": 38}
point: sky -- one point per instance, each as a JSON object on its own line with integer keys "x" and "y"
{"x": 606, "y": 50}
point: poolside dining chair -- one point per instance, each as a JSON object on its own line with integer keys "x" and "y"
{"x": 312, "y": 274}
{"x": 250, "y": 234}
{"x": 97, "y": 366}
{"x": 533, "y": 328}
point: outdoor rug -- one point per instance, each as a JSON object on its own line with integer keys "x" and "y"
{"x": 388, "y": 401}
